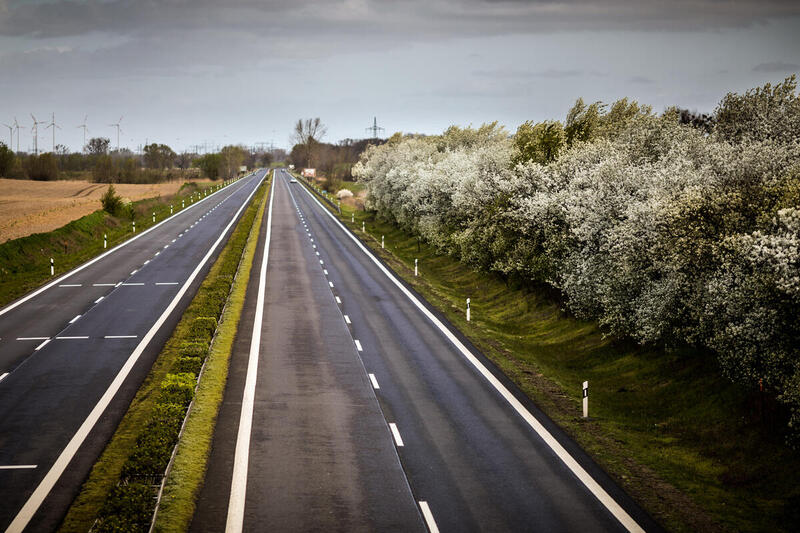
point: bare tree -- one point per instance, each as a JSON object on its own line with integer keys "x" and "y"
{"x": 308, "y": 133}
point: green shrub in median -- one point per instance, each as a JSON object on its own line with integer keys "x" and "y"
{"x": 127, "y": 508}
{"x": 189, "y": 364}
{"x": 203, "y": 328}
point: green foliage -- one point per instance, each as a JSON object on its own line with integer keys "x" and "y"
{"x": 210, "y": 164}
{"x": 189, "y": 364}
{"x": 111, "y": 201}
{"x": 540, "y": 142}
{"x": 6, "y": 160}
{"x": 202, "y": 329}
{"x": 104, "y": 171}
{"x": 127, "y": 508}
{"x": 764, "y": 113}
{"x": 159, "y": 156}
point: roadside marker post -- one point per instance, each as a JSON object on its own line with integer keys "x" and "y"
{"x": 183, "y": 204}
{"x": 134, "y": 226}
{"x": 154, "y": 218}
{"x": 585, "y": 399}
{"x": 382, "y": 242}
{"x": 362, "y": 226}
{"x": 170, "y": 209}
{"x": 467, "y": 309}
{"x": 416, "y": 270}
{"x": 52, "y": 267}
{"x": 352, "y": 217}
{"x": 105, "y": 241}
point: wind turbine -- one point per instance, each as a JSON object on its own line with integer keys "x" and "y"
{"x": 85, "y": 129}
{"x": 10, "y": 136}
{"x": 117, "y": 126}
{"x": 17, "y": 127}
{"x": 54, "y": 126}
{"x": 35, "y": 133}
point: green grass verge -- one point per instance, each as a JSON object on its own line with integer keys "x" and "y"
{"x": 693, "y": 449}
{"x": 188, "y": 470}
{"x": 160, "y": 392}
{"x": 25, "y": 262}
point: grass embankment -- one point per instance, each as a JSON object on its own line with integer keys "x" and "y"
{"x": 691, "y": 447}
{"x": 123, "y": 483}
{"x": 25, "y": 262}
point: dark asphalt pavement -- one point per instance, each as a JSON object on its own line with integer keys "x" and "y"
{"x": 476, "y": 453}
{"x": 96, "y": 335}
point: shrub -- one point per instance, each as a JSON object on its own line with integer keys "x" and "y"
{"x": 188, "y": 365}
{"x": 128, "y": 507}
{"x": 178, "y": 388}
{"x": 202, "y": 329}
{"x": 111, "y": 201}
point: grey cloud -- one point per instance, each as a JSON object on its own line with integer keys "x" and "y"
{"x": 550, "y": 73}
{"x": 776, "y": 66}
{"x": 640, "y": 80}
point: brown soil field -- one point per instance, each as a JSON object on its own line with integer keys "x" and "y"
{"x": 28, "y": 207}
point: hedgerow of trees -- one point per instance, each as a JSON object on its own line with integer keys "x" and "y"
{"x": 674, "y": 229}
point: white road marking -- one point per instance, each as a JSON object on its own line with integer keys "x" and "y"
{"x": 241, "y": 458}
{"x": 72, "y": 338}
{"x": 166, "y": 246}
{"x": 397, "y": 438}
{"x": 120, "y": 337}
{"x": 133, "y": 284}
{"x": 134, "y": 272}
{"x": 87, "y": 264}
{"x": 173, "y": 240}
{"x": 70, "y": 285}
{"x": 3, "y": 376}
{"x": 374, "y": 381}
{"x": 317, "y": 253}
{"x": 104, "y": 284}
{"x": 46, "y": 485}
{"x": 331, "y": 284}
{"x": 428, "y": 515}
{"x": 17, "y": 467}
{"x": 338, "y": 300}
{"x": 42, "y": 345}
{"x": 32, "y": 338}
{"x": 158, "y": 252}
{"x": 589, "y": 482}
{"x": 347, "y": 319}
{"x": 145, "y": 262}
{"x": 74, "y": 319}
{"x": 98, "y": 300}
{"x": 325, "y": 271}
{"x": 320, "y": 262}
{"x": 167, "y": 283}
{"x": 358, "y": 346}
{"x": 118, "y": 284}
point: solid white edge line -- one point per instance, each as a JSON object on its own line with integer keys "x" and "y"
{"x": 589, "y": 482}
{"x": 428, "y": 515}
{"x": 3, "y": 376}
{"x": 46, "y": 484}
{"x": 398, "y": 440}
{"x": 77, "y": 269}
{"x": 374, "y": 381}
{"x": 234, "y": 521}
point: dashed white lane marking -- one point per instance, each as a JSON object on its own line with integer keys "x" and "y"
{"x": 104, "y": 284}
{"x": 42, "y": 345}
{"x": 374, "y": 381}
{"x": 133, "y": 284}
{"x": 166, "y": 246}
{"x": 98, "y": 300}
{"x": 397, "y": 438}
{"x": 3, "y": 376}
{"x": 120, "y": 337}
{"x": 158, "y": 252}
{"x": 71, "y": 338}
{"x": 70, "y": 285}
{"x": 167, "y": 283}
{"x": 317, "y": 253}
{"x": 145, "y": 262}
{"x": 338, "y": 300}
{"x": 428, "y": 515}
{"x": 347, "y": 319}
{"x": 331, "y": 284}
{"x": 358, "y": 346}
{"x": 32, "y": 338}
{"x": 74, "y": 319}
{"x": 325, "y": 271}
{"x": 118, "y": 284}
{"x": 15, "y": 467}
{"x": 134, "y": 272}
{"x": 588, "y": 481}
{"x": 320, "y": 262}
{"x": 173, "y": 240}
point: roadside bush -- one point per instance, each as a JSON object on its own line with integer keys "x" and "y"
{"x": 178, "y": 388}
{"x": 111, "y": 201}
{"x": 43, "y": 167}
{"x": 128, "y": 508}
{"x": 202, "y": 329}
{"x": 189, "y": 364}
{"x": 656, "y": 229}
{"x": 194, "y": 349}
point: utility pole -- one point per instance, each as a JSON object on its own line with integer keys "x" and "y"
{"x": 375, "y": 128}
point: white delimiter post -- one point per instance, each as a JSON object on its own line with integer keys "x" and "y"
{"x": 381, "y": 242}
{"x": 154, "y": 218}
{"x": 105, "y": 240}
{"x": 183, "y": 204}
{"x": 352, "y": 217}
{"x": 362, "y": 226}
{"x": 52, "y": 267}
{"x": 170, "y": 209}
{"x": 467, "y": 309}
{"x": 416, "y": 270}
{"x": 585, "y": 399}
{"x": 134, "y": 226}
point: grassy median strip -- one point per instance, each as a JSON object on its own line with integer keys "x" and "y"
{"x": 119, "y": 494}
{"x": 25, "y": 262}
{"x": 698, "y": 452}
{"x": 188, "y": 470}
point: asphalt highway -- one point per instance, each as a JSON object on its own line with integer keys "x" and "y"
{"x": 353, "y": 405}
{"x": 73, "y": 353}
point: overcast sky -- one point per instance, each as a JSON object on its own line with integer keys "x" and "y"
{"x": 185, "y": 72}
